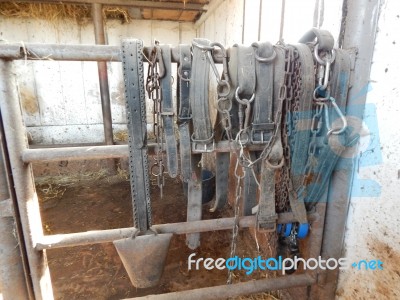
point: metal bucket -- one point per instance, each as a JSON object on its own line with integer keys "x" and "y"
{"x": 143, "y": 257}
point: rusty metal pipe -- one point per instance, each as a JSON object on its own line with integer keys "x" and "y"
{"x": 77, "y": 52}
{"x": 28, "y": 204}
{"x": 100, "y": 152}
{"x": 235, "y": 290}
{"x": 13, "y": 283}
{"x": 109, "y": 235}
{"x": 97, "y": 15}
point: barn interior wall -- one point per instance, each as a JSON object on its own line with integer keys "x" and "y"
{"x": 61, "y": 100}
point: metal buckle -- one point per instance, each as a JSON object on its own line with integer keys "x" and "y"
{"x": 262, "y": 132}
{"x": 268, "y": 224}
{"x": 205, "y": 143}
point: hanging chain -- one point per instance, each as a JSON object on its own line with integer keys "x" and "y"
{"x": 290, "y": 93}
{"x": 154, "y": 74}
{"x": 235, "y": 229}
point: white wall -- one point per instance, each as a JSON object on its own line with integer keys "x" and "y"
{"x": 373, "y": 222}
{"x": 61, "y": 100}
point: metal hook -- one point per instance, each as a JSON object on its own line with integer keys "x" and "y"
{"x": 342, "y": 117}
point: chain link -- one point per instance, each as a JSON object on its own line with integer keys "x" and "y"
{"x": 153, "y": 88}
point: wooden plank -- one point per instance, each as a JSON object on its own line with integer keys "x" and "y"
{"x": 47, "y": 76}
{"x": 71, "y": 79}
{"x": 188, "y": 16}
{"x": 162, "y": 14}
{"x": 187, "y": 33}
{"x": 298, "y": 19}
{"x": 91, "y": 89}
{"x": 221, "y": 24}
{"x": 132, "y": 3}
{"x": 234, "y": 20}
{"x": 270, "y": 21}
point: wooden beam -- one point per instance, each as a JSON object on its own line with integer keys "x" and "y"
{"x": 130, "y": 3}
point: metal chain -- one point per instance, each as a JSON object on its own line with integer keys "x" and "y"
{"x": 235, "y": 229}
{"x": 154, "y": 92}
{"x": 291, "y": 94}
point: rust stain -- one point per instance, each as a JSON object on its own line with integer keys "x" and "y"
{"x": 29, "y": 101}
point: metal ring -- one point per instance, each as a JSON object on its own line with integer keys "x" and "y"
{"x": 263, "y": 59}
{"x": 243, "y": 101}
{"x": 323, "y": 61}
{"x": 223, "y": 83}
{"x": 222, "y": 100}
{"x": 278, "y": 166}
{"x": 160, "y": 169}
{"x": 180, "y": 74}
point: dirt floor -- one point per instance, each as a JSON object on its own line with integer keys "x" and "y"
{"x": 96, "y": 272}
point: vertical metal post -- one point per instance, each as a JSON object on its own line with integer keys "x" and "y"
{"x": 361, "y": 25}
{"x": 97, "y": 15}
{"x": 28, "y": 204}
{"x": 12, "y": 276}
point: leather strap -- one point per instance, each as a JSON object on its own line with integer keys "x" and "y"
{"x": 246, "y": 76}
{"x": 266, "y": 215}
{"x": 299, "y": 157}
{"x": 184, "y": 116}
{"x": 263, "y": 125}
{"x": 250, "y": 188}
{"x": 194, "y": 207}
{"x": 324, "y": 38}
{"x": 203, "y": 136}
{"x": 222, "y": 161}
{"x": 167, "y": 114}
{"x": 132, "y": 61}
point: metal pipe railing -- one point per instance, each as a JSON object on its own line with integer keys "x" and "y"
{"x": 235, "y": 290}
{"x": 28, "y": 203}
{"x": 76, "y": 52}
{"x": 109, "y": 235}
{"x": 99, "y": 34}
{"x": 101, "y": 152}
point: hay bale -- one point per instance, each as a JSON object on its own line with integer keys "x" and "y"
{"x": 80, "y": 13}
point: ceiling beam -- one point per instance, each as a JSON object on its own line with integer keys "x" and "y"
{"x": 130, "y": 3}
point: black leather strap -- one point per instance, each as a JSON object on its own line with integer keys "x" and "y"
{"x": 265, "y": 111}
{"x": 136, "y": 112}
{"x": 184, "y": 116}
{"x": 303, "y": 116}
{"x": 203, "y": 136}
{"x": 222, "y": 161}
{"x": 263, "y": 125}
{"x": 324, "y": 38}
{"x": 167, "y": 113}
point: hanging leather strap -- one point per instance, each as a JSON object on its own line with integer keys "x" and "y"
{"x": 203, "y": 136}
{"x": 167, "y": 114}
{"x": 184, "y": 116}
{"x": 324, "y": 38}
{"x": 266, "y": 214}
{"x": 132, "y": 61}
{"x": 263, "y": 125}
{"x": 303, "y": 116}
